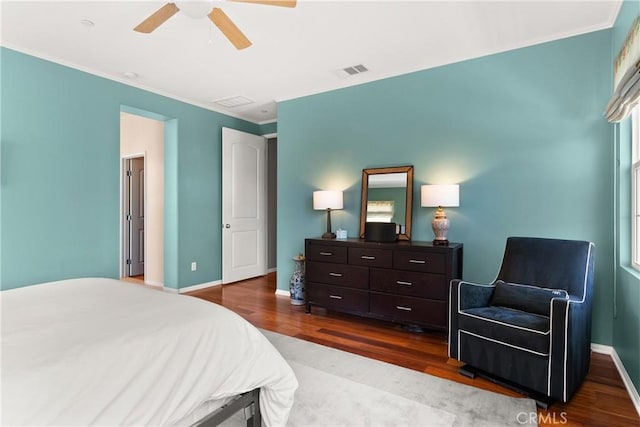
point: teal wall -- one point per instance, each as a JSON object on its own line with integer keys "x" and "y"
{"x": 626, "y": 323}
{"x": 60, "y": 176}
{"x": 268, "y": 128}
{"x": 522, "y": 132}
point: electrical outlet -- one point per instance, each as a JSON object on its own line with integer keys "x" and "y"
{"x": 194, "y": 266}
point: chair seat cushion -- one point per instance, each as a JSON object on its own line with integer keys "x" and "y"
{"x": 516, "y": 328}
{"x": 533, "y": 299}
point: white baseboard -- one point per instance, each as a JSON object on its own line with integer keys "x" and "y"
{"x": 602, "y": 349}
{"x": 626, "y": 379}
{"x": 283, "y": 293}
{"x": 272, "y": 270}
{"x": 193, "y": 287}
{"x": 153, "y": 283}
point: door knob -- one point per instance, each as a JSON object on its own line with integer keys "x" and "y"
{"x": 227, "y": 226}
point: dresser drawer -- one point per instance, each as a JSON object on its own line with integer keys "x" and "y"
{"x": 339, "y": 298}
{"x": 371, "y": 257}
{"x": 409, "y": 310}
{"x": 426, "y": 285}
{"x": 326, "y": 253}
{"x": 426, "y": 262}
{"x": 338, "y": 274}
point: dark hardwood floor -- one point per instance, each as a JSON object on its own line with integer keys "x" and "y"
{"x": 602, "y": 400}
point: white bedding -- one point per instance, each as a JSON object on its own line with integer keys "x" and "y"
{"x": 103, "y": 352}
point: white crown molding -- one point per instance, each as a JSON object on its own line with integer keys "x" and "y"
{"x": 266, "y": 122}
{"x": 377, "y": 76}
{"x": 614, "y": 16}
{"x": 124, "y": 81}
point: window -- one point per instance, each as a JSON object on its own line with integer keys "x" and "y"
{"x": 380, "y": 211}
{"x": 635, "y": 189}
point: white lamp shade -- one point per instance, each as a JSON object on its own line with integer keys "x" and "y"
{"x": 440, "y": 195}
{"x": 328, "y": 199}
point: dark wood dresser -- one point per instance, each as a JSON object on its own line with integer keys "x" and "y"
{"x": 404, "y": 282}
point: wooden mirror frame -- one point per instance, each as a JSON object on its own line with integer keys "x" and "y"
{"x": 409, "y": 197}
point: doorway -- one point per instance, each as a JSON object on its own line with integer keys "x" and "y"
{"x": 142, "y": 198}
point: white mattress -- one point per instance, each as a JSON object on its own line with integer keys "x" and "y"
{"x": 98, "y": 351}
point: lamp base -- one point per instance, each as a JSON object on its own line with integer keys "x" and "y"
{"x": 440, "y": 226}
{"x": 329, "y": 236}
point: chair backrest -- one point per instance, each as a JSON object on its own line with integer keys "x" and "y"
{"x": 549, "y": 263}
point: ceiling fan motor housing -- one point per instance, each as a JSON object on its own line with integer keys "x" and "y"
{"x": 195, "y": 9}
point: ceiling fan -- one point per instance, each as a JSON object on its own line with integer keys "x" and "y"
{"x": 200, "y": 9}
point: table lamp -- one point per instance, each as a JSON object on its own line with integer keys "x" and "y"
{"x": 440, "y": 196}
{"x": 327, "y": 200}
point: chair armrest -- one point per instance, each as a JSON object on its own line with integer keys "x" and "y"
{"x": 570, "y": 323}
{"x": 466, "y": 295}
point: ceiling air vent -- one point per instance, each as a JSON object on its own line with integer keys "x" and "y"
{"x": 351, "y": 71}
{"x": 356, "y": 69}
{"x": 234, "y": 101}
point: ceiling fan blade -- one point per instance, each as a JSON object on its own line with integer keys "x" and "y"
{"x": 282, "y": 3}
{"x": 229, "y": 29}
{"x": 157, "y": 18}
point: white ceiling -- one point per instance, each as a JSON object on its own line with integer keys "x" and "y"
{"x": 295, "y": 52}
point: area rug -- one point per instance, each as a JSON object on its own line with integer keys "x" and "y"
{"x": 338, "y": 388}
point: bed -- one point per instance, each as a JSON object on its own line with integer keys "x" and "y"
{"x": 97, "y": 351}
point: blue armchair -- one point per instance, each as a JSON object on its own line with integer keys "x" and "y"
{"x": 531, "y": 327}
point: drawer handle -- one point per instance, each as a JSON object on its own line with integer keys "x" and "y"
{"x": 335, "y": 274}
{"x": 367, "y": 257}
{"x": 335, "y": 296}
{"x": 417, "y": 261}
{"x": 400, "y": 307}
{"x": 400, "y": 282}
{"x": 326, "y": 253}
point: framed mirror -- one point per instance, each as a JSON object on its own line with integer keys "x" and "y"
{"x": 387, "y": 196}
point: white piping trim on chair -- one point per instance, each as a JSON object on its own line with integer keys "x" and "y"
{"x": 482, "y": 285}
{"x": 450, "y": 321}
{"x": 504, "y": 343}
{"x": 505, "y": 324}
{"x": 546, "y": 288}
{"x": 566, "y": 323}
{"x": 550, "y": 349}
{"x": 566, "y": 343}
{"x": 458, "y": 308}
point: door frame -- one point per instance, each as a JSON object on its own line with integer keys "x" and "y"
{"x": 268, "y": 213}
{"x": 124, "y": 239}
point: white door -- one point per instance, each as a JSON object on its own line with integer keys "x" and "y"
{"x": 243, "y": 205}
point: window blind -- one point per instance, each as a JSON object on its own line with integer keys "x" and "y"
{"x": 626, "y": 77}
